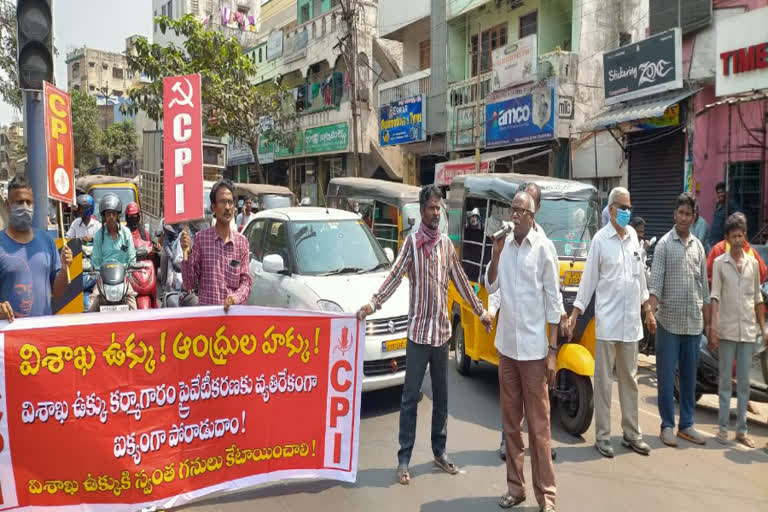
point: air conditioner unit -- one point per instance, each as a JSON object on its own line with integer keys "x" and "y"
{"x": 513, "y": 4}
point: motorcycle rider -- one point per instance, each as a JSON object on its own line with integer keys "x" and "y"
{"x": 133, "y": 221}
{"x": 84, "y": 226}
{"x": 113, "y": 242}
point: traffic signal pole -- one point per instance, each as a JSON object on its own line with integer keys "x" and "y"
{"x": 37, "y": 174}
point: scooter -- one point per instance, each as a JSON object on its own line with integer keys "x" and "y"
{"x": 144, "y": 279}
{"x": 112, "y": 283}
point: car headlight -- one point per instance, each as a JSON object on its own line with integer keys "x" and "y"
{"x": 113, "y": 292}
{"x": 329, "y": 306}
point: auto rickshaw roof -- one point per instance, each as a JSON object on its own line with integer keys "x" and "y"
{"x": 388, "y": 192}
{"x": 83, "y": 183}
{"x": 259, "y": 189}
{"x": 504, "y": 186}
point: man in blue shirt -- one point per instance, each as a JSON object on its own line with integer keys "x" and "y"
{"x": 30, "y": 266}
{"x": 113, "y": 242}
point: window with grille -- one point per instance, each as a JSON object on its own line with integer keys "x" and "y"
{"x": 317, "y": 8}
{"x": 744, "y": 190}
{"x": 489, "y": 40}
{"x": 170, "y": 9}
{"x": 117, "y": 73}
{"x": 424, "y": 54}
{"x": 195, "y": 6}
{"x": 529, "y": 24}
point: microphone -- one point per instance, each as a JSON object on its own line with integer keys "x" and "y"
{"x": 506, "y": 228}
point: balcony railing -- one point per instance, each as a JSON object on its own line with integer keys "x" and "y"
{"x": 466, "y": 92}
{"x": 405, "y": 87}
{"x": 298, "y": 40}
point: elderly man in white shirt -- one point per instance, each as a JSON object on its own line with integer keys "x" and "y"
{"x": 614, "y": 271}
{"x": 524, "y": 272}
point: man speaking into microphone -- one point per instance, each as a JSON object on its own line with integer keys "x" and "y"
{"x": 527, "y": 277}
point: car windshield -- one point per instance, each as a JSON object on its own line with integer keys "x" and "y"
{"x": 126, "y": 195}
{"x": 269, "y": 201}
{"x": 346, "y": 246}
{"x": 569, "y": 224}
{"x": 413, "y": 211}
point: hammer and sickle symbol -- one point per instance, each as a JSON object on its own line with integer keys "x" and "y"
{"x": 186, "y": 97}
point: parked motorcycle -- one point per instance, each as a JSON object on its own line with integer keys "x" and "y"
{"x": 112, "y": 283}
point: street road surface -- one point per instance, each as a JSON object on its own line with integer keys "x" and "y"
{"x": 687, "y": 478}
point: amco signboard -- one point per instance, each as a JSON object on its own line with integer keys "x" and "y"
{"x": 641, "y": 69}
{"x": 402, "y": 121}
{"x": 521, "y": 119}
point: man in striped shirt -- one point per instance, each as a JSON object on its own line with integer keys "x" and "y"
{"x": 429, "y": 259}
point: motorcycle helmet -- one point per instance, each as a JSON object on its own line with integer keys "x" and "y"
{"x": 132, "y": 216}
{"x": 110, "y": 201}
{"x": 85, "y": 203}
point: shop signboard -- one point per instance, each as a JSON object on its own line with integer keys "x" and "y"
{"x": 742, "y": 53}
{"x": 521, "y": 119}
{"x": 515, "y": 63}
{"x": 402, "y": 122}
{"x": 332, "y": 138}
{"x": 647, "y": 67}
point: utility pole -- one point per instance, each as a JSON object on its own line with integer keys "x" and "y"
{"x": 478, "y": 55}
{"x": 348, "y": 47}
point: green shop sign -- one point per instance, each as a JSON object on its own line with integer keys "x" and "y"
{"x": 325, "y": 139}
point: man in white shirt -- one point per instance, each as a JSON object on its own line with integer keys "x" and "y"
{"x": 524, "y": 272}
{"x": 494, "y": 300}
{"x": 85, "y": 226}
{"x": 248, "y": 210}
{"x": 614, "y": 271}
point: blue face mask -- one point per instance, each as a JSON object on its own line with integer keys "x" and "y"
{"x": 622, "y": 217}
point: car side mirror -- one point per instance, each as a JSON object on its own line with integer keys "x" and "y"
{"x": 273, "y": 264}
{"x": 390, "y": 254}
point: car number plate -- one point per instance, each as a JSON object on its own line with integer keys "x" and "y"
{"x": 572, "y": 277}
{"x": 392, "y": 345}
{"x": 110, "y": 309}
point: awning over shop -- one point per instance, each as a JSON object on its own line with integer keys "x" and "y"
{"x": 639, "y": 109}
{"x": 446, "y": 171}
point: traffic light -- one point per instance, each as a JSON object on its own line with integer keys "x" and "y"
{"x": 34, "y": 20}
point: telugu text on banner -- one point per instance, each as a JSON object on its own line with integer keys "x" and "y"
{"x": 116, "y": 412}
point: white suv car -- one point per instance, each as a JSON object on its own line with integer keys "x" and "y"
{"x": 328, "y": 260}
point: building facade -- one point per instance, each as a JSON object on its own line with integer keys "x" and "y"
{"x": 478, "y": 66}
{"x": 300, "y": 47}
{"x": 11, "y": 137}
{"x": 237, "y": 18}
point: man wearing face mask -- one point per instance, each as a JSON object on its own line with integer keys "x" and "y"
{"x": 30, "y": 266}
{"x": 614, "y": 271}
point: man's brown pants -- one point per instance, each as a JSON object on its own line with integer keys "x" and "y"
{"x": 523, "y": 386}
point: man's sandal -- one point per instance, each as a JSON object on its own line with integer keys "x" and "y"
{"x": 403, "y": 476}
{"x": 446, "y": 465}
{"x": 509, "y": 501}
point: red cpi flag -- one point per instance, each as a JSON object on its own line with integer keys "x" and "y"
{"x": 58, "y": 144}
{"x": 183, "y": 148}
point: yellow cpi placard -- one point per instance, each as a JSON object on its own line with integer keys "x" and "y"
{"x": 58, "y": 144}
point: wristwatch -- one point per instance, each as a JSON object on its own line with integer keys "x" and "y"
{"x": 553, "y": 349}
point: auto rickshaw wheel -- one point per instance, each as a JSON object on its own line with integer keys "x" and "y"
{"x": 676, "y": 389}
{"x": 462, "y": 361}
{"x": 575, "y": 402}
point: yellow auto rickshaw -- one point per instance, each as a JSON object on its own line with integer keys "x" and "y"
{"x": 390, "y": 209}
{"x": 569, "y": 216}
{"x": 97, "y": 185}
{"x": 265, "y": 197}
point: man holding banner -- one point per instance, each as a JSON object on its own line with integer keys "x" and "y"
{"x": 30, "y": 267}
